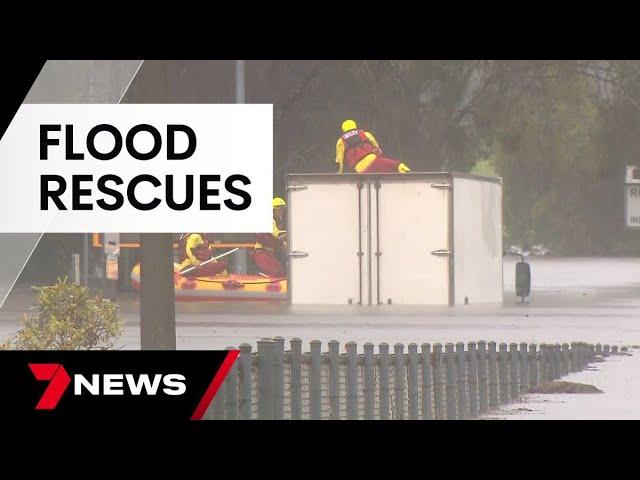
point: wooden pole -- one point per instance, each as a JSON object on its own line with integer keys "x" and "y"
{"x": 157, "y": 295}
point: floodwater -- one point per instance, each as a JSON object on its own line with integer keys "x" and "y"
{"x": 618, "y": 380}
{"x": 573, "y": 299}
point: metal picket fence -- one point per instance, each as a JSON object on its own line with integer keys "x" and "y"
{"x": 426, "y": 382}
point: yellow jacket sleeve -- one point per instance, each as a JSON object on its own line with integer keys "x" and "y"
{"x": 340, "y": 155}
{"x": 372, "y": 139}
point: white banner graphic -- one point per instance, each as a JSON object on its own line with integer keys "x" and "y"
{"x": 137, "y": 168}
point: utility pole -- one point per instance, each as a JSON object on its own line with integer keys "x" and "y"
{"x": 157, "y": 294}
{"x": 241, "y": 260}
{"x": 239, "y": 81}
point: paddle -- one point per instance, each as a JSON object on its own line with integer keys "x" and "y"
{"x": 208, "y": 261}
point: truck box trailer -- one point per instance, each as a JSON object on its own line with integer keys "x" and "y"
{"x": 400, "y": 239}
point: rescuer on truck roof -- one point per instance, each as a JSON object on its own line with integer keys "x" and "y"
{"x": 270, "y": 245}
{"x": 193, "y": 250}
{"x": 362, "y": 153}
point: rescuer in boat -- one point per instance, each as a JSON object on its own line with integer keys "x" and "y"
{"x": 269, "y": 246}
{"x": 193, "y": 249}
{"x": 362, "y": 153}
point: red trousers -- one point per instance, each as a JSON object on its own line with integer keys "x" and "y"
{"x": 268, "y": 263}
{"x": 383, "y": 165}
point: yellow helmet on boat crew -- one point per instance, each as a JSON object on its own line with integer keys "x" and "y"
{"x": 348, "y": 125}
{"x": 278, "y": 202}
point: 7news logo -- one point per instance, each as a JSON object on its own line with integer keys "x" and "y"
{"x": 113, "y": 384}
{"x": 102, "y": 384}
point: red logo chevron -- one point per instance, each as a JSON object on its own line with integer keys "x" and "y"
{"x": 59, "y": 381}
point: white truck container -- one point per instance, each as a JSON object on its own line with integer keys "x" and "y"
{"x": 401, "y": 239}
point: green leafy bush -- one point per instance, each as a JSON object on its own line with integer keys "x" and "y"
{"x": 67, "y": 316}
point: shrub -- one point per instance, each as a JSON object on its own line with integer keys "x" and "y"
{"x": 67, "y": 316}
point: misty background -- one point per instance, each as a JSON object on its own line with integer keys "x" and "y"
{"x": 559, "y": 133}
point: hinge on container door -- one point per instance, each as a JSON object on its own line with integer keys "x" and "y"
{"x": 443, "y": 252}
{"x": 296, "y": 254}
{"x": 376, "y": 185}
{"x": 441, "y": 186}
{"x": 359, "y": 185}
{"x": 295, "y": 188}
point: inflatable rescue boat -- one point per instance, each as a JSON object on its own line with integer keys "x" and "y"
{"x": 232, "y": 287}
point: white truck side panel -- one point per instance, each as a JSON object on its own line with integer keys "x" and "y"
{"x": 477, "y": 231}
{"x": 323, "y": 222}
{"x": 413, "y": 222}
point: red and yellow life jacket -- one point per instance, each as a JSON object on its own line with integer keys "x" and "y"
{"x": 356, "y": 146}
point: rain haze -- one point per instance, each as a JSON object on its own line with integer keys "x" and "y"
{"x": 493, "y": 164}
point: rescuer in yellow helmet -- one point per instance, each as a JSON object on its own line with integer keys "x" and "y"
{"x": 193, "y": 250}
{"x": 362, "y": 154}
{"x": 270, "y": 246}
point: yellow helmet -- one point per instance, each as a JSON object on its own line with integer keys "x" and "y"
{"x": 348, "y": 125}
{"x": 278, "y": 202}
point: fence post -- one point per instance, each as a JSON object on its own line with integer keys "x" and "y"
{"x": 426, "y": 381}
{"x": 383, "y": 375}
{"x": 472, "y": 373}
{"x": 334, "y": 380}
{"x": 438, "y": 385}
{"x": 565, "y": 359}
{"x": 412, "y": 381}
{"x": 579, "y": 356}
{"x": 524, "y": 369}
{"x": 315, "y": 379}
{"x": 266, "y": 347}
{"x": 398, "y": 380}
{"x": 605, "y": 350}
{"x": 557, "y": 355}
{"x": 502, "y": 373}
{"x": 278, "y": 378}
{"x": 513, "y": 356}
{"x": 296, "y": 378}
{"x": 585, "y": 354}
{"x": 533, "y": 365}
{"x": 598, "y": 349}
{"x": 574, "y": 357}
{"x": 231, "y": 391}
{"x": 217, "y": 405}
{"x": 482, "y": 376}
{"x": 369, "y": 382}
{"x": 614, "y": 350}
{"x": 352, "y": 380}
{"x": 449, "y": 358}
{"x": 548, "y": 361}
{"x": 493, "y": 375}
{"x": 543, "y": 363}
{"x": 592, "y": 352}
{"x": 244, "y": 379}
{"x": 461, "y": 379}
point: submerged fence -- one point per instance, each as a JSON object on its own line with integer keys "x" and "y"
{"x": 421, "y": 382}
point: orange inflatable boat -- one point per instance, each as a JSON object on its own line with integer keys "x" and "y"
{"x": 232, "y": 287}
